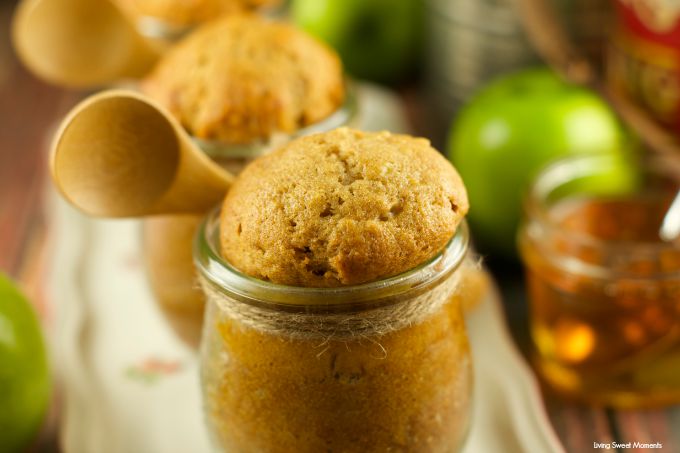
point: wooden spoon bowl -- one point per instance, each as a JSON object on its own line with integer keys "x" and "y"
{"x": 79, "y": 43}
{"x": 118, "y": 154}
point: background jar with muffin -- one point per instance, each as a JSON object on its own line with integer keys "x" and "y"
{"x": 239, "y": 85}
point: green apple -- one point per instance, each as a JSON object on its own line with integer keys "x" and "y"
{"x": 376, "y": 39}
{"x": 24, "y": 378}
{"x": 511, "y": 129}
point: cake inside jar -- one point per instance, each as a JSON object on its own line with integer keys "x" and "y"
{"x": 339, "y": 355}
{"x": 342, "y": 208}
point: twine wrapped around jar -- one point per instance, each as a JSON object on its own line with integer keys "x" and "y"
{"x": 390, "y": 314}
{"x": 338, "y": 313}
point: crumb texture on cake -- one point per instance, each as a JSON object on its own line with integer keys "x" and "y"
{"x": 189, "y": 12}
{"x": 341, "y": 208}
{"x": 242, "y": 78}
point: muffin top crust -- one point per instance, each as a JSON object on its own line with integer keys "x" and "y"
{"x": 341, "y": 208}
{"x": 243, "y": 79}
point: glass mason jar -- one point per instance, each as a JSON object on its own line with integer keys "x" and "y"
{"x": 162, "y": 31}
{"x": 167, "y": 240}
{"x": 382, "y": 366}
{"x": 604, "y": 289}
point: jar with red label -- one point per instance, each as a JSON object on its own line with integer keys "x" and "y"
{"x": 644, "y": 57}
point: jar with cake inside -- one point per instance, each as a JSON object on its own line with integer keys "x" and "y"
{"x": 379, "y": 366}
{"x": 604, "y": 288}
{"x": 238, "y": 106}
{"x": 167, "y": 240}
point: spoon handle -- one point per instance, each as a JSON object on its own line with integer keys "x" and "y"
{"x": 199, "y": 184}
{"x": 670, "y": 228}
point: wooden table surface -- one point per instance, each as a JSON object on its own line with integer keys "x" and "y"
{"x": 29, "y": 110}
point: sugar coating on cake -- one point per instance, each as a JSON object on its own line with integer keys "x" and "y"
{"x": 242, "y": 78}
{"x": 341, "y": 208}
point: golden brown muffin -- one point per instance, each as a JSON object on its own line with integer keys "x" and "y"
{"x": 189, "y": 12}
{"x": 241, "y": 78}
{"x": 341, "y": 208}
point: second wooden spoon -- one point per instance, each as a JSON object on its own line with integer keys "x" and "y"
{"x": 79, "y": 43}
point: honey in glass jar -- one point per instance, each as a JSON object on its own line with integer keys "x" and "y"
{"x": 604, "y": 288}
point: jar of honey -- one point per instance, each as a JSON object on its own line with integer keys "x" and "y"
{"x": 604, "y": 288}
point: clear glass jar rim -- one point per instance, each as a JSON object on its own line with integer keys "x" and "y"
{"x": 565, "y": 170}
{"x": 540, "y": 223}
{"x": 342, "y": 116}
{"x": 224, "y": 276}
{"x": 157, "y": 28}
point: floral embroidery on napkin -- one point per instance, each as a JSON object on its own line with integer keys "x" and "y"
{"x": 152, "y": 369}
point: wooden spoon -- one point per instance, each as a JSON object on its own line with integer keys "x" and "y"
{"x": 79, "y": 43}
{"x": 118, "y": 154}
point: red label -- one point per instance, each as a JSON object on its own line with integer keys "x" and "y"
{"x": 644, "y": 60}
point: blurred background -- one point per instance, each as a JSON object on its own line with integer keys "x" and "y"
{"x": 503, "y": 88}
